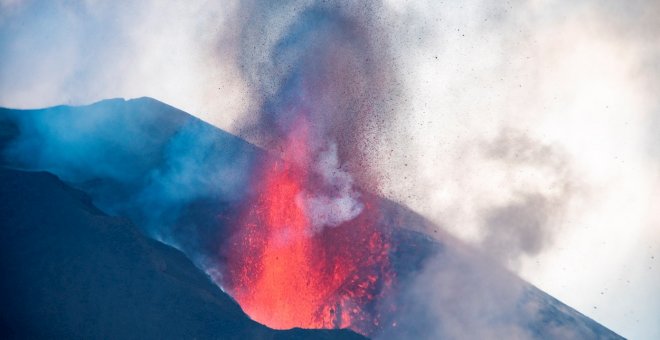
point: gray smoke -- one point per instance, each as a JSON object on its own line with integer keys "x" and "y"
{"x": 526, "y": 224}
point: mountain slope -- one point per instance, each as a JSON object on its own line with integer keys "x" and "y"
{"x": 179, "y": 180}
{"x": 70, "y": 271}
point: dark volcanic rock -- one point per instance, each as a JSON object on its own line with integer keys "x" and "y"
{"x": 70, "y": 271}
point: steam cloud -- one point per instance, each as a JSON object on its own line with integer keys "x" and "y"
{"x": 339, "y": 201}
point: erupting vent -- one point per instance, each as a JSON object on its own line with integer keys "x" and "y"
{"x": 286, "y": 273}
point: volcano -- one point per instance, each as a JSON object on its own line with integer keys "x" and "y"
{"x": 236, "y": 212}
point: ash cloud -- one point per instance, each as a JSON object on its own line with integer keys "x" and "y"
{"x": 518, "y": 228}
{"x": 326, "y": 62}
{"x": 526, "y": 224}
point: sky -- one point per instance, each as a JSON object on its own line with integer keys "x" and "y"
{"x": 527, "y": 129}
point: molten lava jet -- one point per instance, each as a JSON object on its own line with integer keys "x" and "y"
{"x": 284, "y": 273}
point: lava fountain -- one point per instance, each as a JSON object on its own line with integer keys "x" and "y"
{"x": 306, "y": 249}
{"x": 286, "y": 272}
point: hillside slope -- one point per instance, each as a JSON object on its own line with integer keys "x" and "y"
{"x": 70, "y": 271}
{"x": 180, "y": 181}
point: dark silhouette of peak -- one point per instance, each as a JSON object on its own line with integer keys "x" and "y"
{"x": 70, "y": 271}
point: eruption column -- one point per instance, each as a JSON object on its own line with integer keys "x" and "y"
{"x": 286, "y": 274}
{"x": 306, "y": 249}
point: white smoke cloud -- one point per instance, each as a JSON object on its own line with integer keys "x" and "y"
{"x": 338, "y": 202}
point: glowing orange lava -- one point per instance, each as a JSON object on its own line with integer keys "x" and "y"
{"x": 284, "y": 276}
